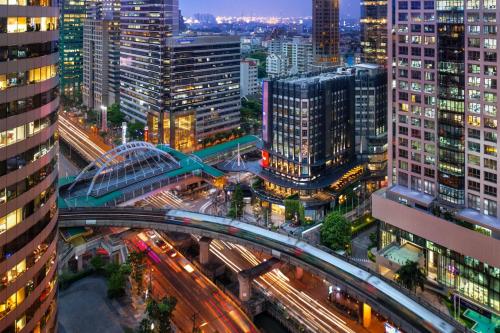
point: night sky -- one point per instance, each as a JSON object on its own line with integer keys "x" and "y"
{"x": 260, "y": 7}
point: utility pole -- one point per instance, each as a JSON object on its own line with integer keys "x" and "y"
{"x": 194, "y": 322}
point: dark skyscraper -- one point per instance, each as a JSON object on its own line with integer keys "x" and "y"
{"x": 326, "y": 33}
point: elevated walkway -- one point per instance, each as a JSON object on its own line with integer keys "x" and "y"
{"x": 131, "y": 171}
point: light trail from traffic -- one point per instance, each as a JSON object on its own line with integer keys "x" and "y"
{"x": 195, "y": 292}
{"x": 80, "y": 140}
{"x": 311, "y": 313}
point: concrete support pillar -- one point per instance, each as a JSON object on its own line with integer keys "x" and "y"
{"x": 245, "y": 288}
{"x": 365, "y": 315}
{"x": 299, "y": 272}
{"x": 205, "y": 250}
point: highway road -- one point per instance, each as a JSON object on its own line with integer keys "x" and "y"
{"x": 308, "y": 305}
{"x": 171, "y": 274}
{"x": 303, "y": 302}
{"x": 88, "y": 145}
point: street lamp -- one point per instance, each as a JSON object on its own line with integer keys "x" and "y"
{"x": 104, "y": 118}
{"x": 124, "y": 133}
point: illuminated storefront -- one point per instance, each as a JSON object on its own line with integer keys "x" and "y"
{"x": 469, "y": 277}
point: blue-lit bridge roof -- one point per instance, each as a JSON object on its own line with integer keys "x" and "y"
{"x": 127, "y": 171}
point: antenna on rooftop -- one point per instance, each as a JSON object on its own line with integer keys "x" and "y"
{"x": 236, "y": 163}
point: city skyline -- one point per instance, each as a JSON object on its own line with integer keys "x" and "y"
{"x": 295, "y": 8}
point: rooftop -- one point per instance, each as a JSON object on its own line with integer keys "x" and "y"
{"x": 414, "y": 196}
{"x": 475, "y": 217}
{"x": 313, "y": 79}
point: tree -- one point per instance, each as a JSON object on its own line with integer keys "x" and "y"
{"x": 137, "y": 263}
{"x": 145, "y": 326}
{"x": 160, "y": 313}
{"x": 251, "y": 115}
{"x": 116, "y": 285}
{"x": 237, "y": 204}
{"x": 116, "y": 279}
{"x": 111, "y": 268}
{"x": 262, "y": 57}
{"x": 294, "y": 211}
{"x": 497, "y": 329}
{"x": 336, "y": 232}
{"x": 411, "y": 276}
{"x": 136, "y": 131}
{"x": 115, "y": 116}
{"x": 97, "y": 263}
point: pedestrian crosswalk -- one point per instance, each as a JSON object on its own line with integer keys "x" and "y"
{"x": 165, "y": 199}
{"x": 362, "y": 260}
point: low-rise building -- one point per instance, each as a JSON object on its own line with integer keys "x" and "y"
{"x": 249, "y": 85}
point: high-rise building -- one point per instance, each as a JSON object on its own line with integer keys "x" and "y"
{"x": 249, "y": 85}
{"x": 374, "y": 31}
{"x": 442, "y": 203}
{"x": 326, "y": 34}
{"x": 29, "y": 101}
{"x": 299, "y": 52}
{"x": 308, "y": 138}
{"x": 371, "y": 117}
{"x": 101, "y": 53}
{"x": 144, "y": 71}
{"x": 202, "y": 94}
{"x": 73, "y": 13}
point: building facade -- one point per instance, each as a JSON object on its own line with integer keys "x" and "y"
{"x": 308, "y": 137}
{"x": 326, "y": 34}
{"x": 371, "y": 117}
{"x": 73, "y": 13}
{"x": 289, "y": 57}
{"x": 249, "y": 85}
{"x": 443, "y": 179}
{"x": 143, "y": 68}
{"x": 203, "y": 91}
{"x": 374, "y": 32}
{"x": 276, "y": 66}
{"x": 101, "y": 52}
{"x": 29, "y": 101}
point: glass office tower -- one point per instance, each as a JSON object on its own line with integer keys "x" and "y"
{"x": 144, "y": 29}
{"x": 73, "y": 13}
{"x": 443, "y": 198}
{"x": 29, "y": 100}
{"x": 374, "y": 32}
